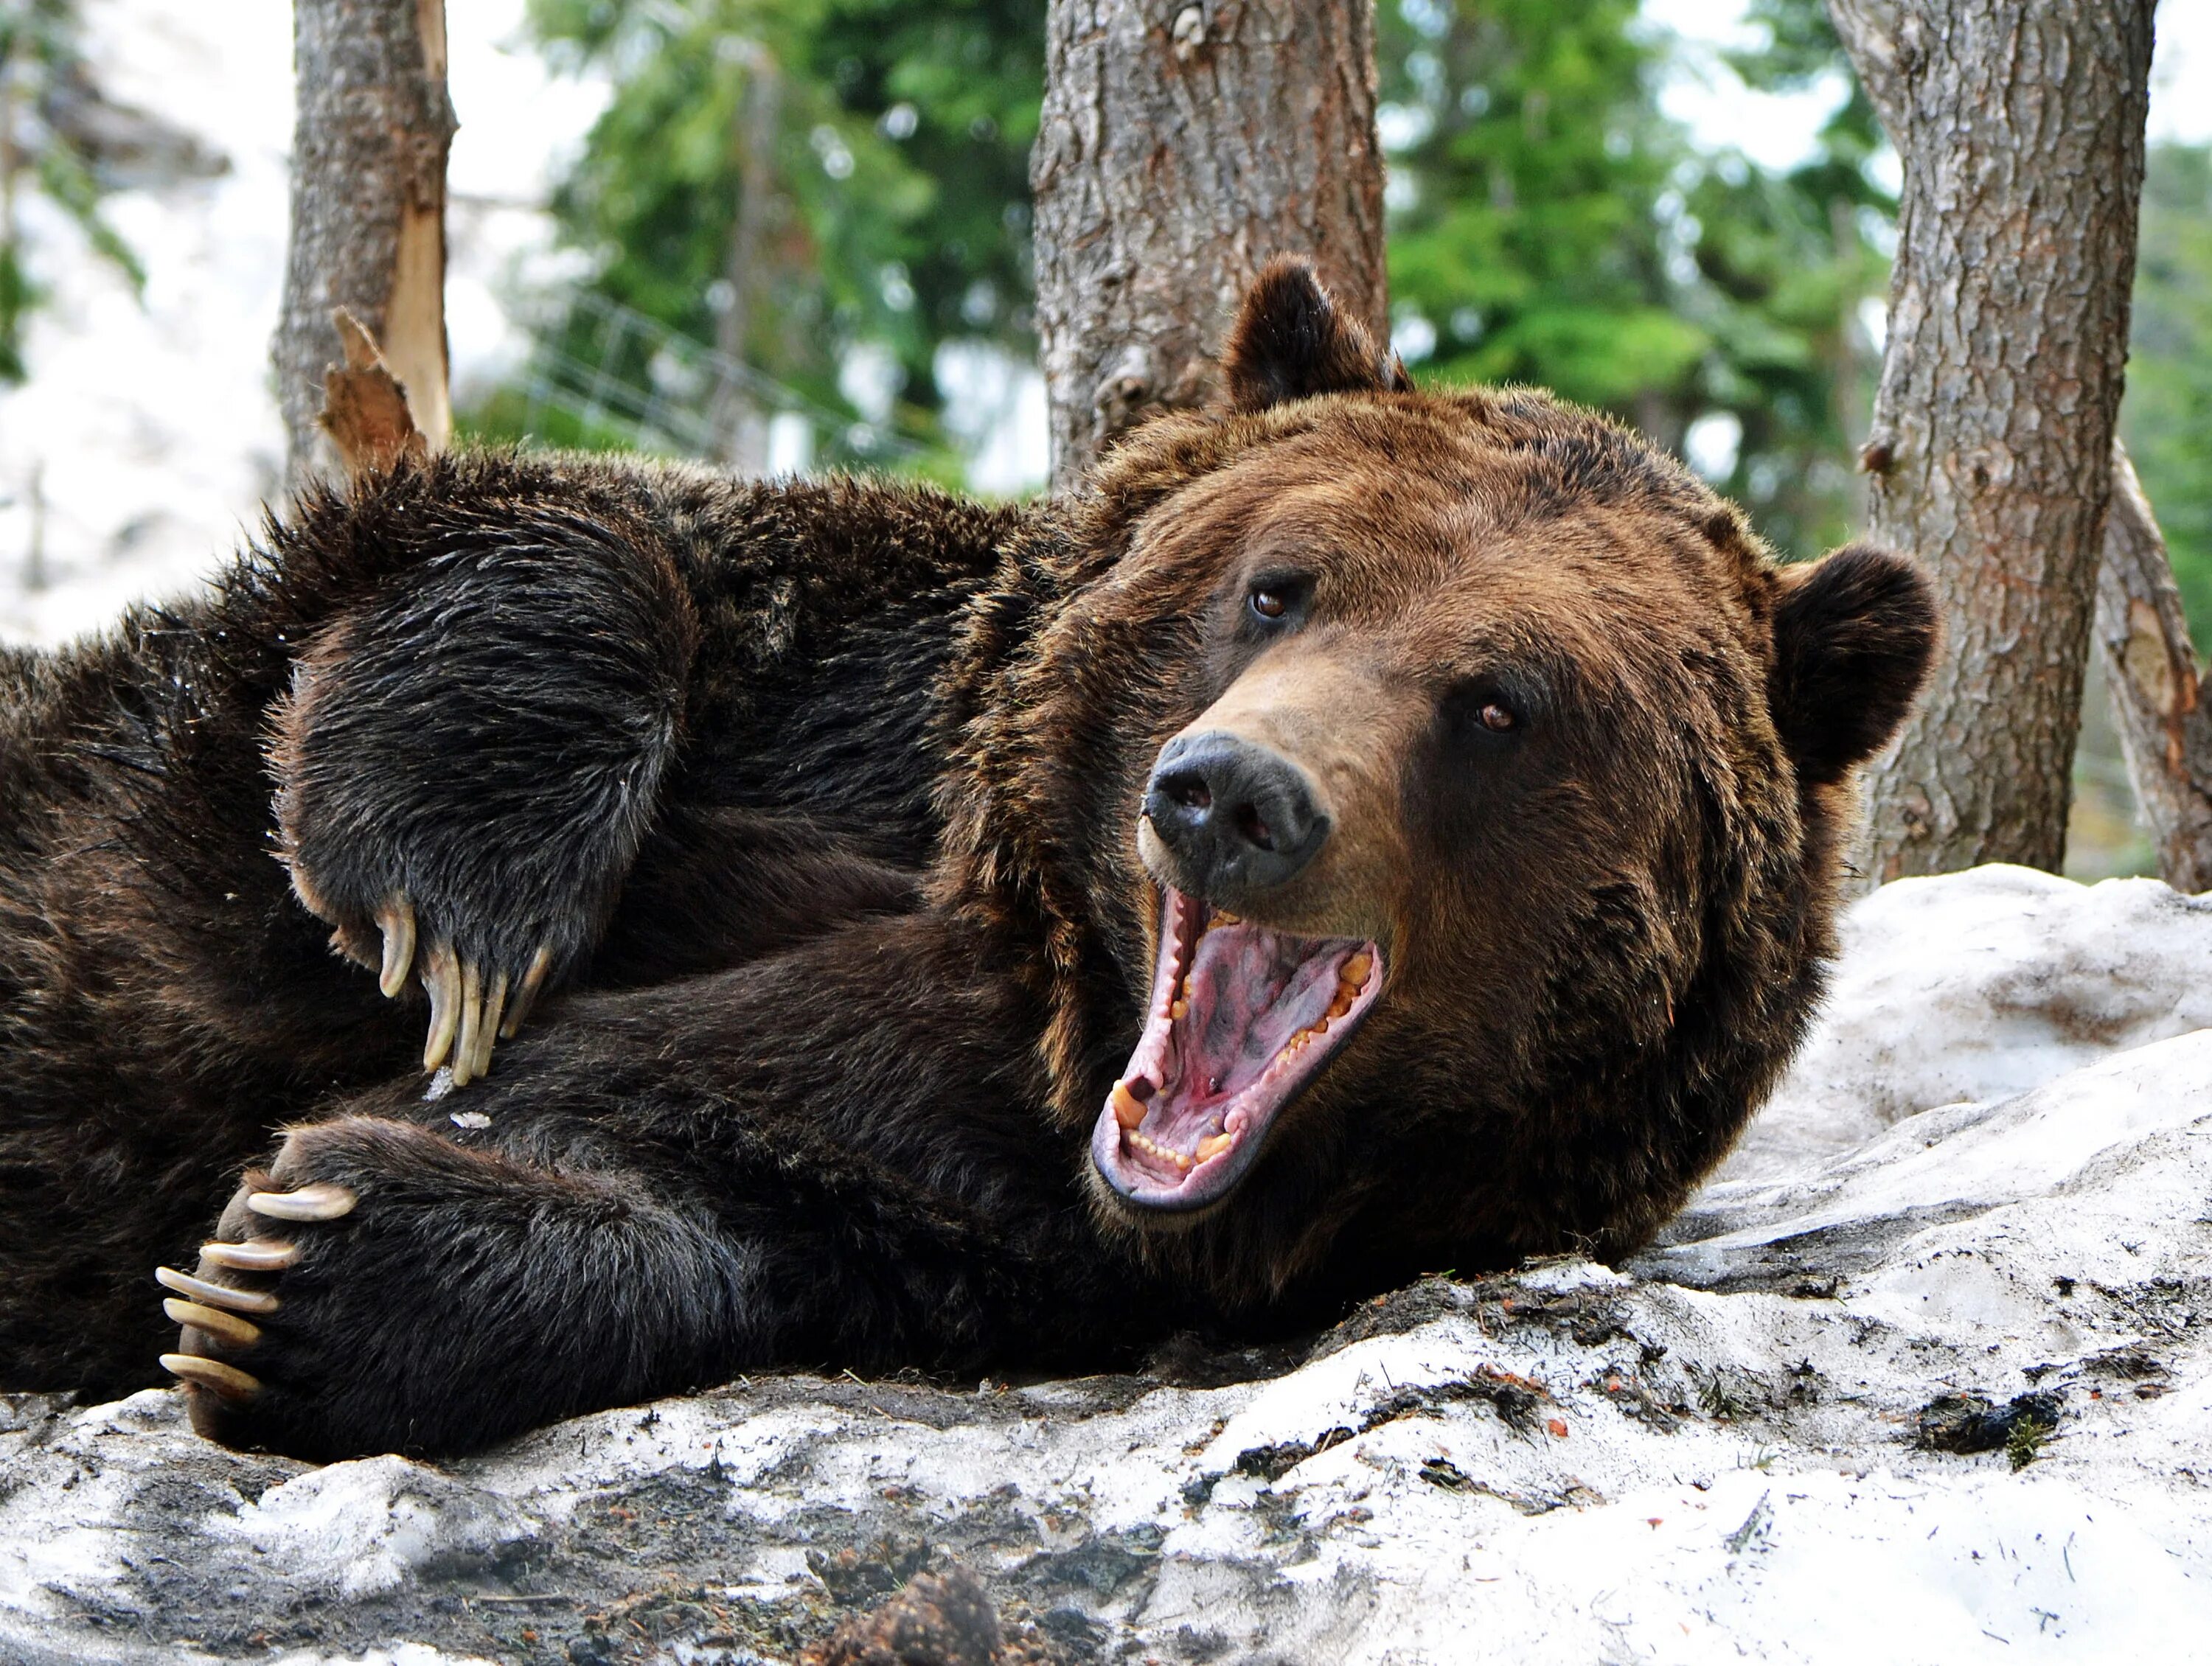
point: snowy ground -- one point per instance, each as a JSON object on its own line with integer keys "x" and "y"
{"x": 1937, "y": 1390}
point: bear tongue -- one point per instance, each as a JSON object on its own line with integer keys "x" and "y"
{"x": 1250, "y": 992}
{"x": 1246, "y": 1012}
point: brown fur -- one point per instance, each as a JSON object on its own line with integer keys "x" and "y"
{"x": 864, "y": 936}
{"x": 1646, "y": 925}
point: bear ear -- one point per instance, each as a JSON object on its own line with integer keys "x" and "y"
{"x": 1855, "y": 637}
{"x": 1291, "y": 341}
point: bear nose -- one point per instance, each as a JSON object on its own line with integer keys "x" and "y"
{"x": 1237, "y": 817}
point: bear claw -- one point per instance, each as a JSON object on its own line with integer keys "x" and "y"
{"x": 265, "y": 1255}
{"x": 322, "y": 1200}
{"x": 395, "y": 917}
{"x": 216, "y": 1295}
{"x": 227, "y": 1381}
{"x": 526, "y": 996}
{"x": 494, "y": 1002}
{"x": 470, "y": 1008}
{"x": 442, "y": 981}
{"x": 226, "y": 1328}
{"x": 470, "y": 1055}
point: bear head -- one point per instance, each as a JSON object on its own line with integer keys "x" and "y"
{"x": 1421, "y": 809}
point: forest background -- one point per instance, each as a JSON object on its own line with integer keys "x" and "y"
{"x": 794, "y": 233}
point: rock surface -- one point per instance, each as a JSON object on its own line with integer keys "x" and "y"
{"x": 1934, "y": 1387}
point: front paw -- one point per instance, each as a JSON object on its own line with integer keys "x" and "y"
{"x": 466, "y": 765}
{"x": 250, "y": 1354}
{"x": 319, "y": 1322}
{"x": 481, "y": 974}
{"x": 419, "y": 900}
{"x": 384, "y": 1287}
{"x": 472, "y": 1001}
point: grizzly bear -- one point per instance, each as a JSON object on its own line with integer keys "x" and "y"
{"x": 1360, "y": 831}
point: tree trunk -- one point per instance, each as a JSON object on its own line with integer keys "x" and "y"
{"x": 1179, "y": 148}
{"x": 2165, "y": 730}
{"x": 369, "y": 210}
{"x": 740, "y": 425}
{"x": 2021, "y": 127}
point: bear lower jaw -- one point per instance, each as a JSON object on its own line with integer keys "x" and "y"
{"x": 1241, "y": 1020}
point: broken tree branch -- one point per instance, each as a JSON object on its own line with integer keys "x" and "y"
{"x": 2151, "y": 667}
{"x": 365, "y": 409}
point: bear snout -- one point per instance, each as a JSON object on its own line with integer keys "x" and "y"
{"x": 1236, "y": 819}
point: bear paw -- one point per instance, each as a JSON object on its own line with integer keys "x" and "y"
{"x": 471, "y": 1002}
{"x": 481, "y": 970}
{"x": 265, "y": 1354}
{"x": 385, "y": 1287}
{"x": 467, "y": 764}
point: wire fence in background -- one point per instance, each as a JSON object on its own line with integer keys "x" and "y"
{"x": 613, "y": 375}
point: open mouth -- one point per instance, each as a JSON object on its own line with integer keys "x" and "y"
{"x": 1241, "y": 1020}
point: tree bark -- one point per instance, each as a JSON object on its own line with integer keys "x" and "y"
{"x": 2166, "y": 732}
{"x": 740, "y": 425}
{"x": 2020, "y": 126}
{"x": 369, "y": 210}
{"x": 1181, "y": 146}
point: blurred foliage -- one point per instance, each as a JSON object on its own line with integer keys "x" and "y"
{"x": 1551, "y": 224}
{"x": 892, "y": 195}
{"x": 2167, "y": 417}
{"x": 44, "y": 82}
{"x": 1802, "y": 258}
{"x": 1533, "y": 215}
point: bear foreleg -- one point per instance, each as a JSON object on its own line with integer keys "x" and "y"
{"x": 467, "y": 764}
{"x": 382, "y": 1288}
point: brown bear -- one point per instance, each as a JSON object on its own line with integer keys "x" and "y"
{"x": 1360, "y": 831}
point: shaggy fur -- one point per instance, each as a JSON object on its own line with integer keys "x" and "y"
{"x": 823, "y": 798}
{"x": 165, "y": 999}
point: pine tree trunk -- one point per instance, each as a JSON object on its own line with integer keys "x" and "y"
{"x": 369, "y": 210}
{"x": 2166, "y": 731}
{"x": 740, "y": 425}
{"x": 1180, "y": 148}
{"x": 2020, "y": 126}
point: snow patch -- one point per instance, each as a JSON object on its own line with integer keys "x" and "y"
{"x": 1978, "y": 986}
{"x": 1727, "y": 1448}
{"x": 362, "y": 1527}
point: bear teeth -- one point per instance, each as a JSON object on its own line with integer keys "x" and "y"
{"x": 1128, "y": 1111}
{"x": 1177, "y": 1061}
{"x": 1153, "y": 1148}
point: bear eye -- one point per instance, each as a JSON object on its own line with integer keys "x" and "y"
{"x": 1274, "y": 597}
{"x": 1486, "y": 713}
